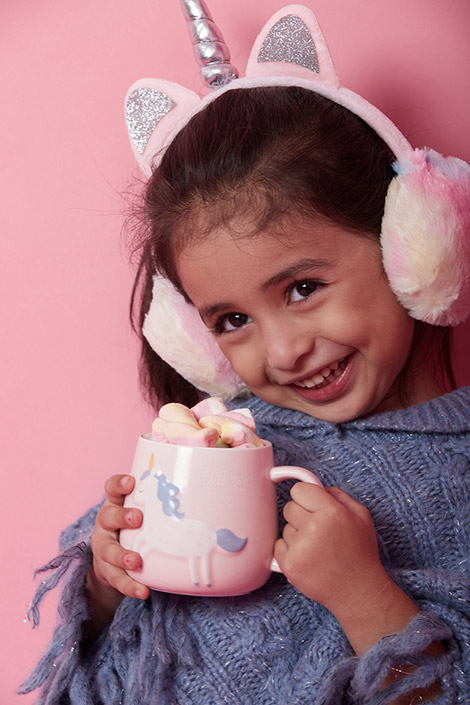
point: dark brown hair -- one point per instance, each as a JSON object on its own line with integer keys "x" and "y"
{"x": 263, "y": 152}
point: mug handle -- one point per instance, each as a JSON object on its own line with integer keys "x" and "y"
{"x": 286, "y": 472}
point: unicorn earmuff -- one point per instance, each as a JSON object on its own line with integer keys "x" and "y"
{"x": 425, "y": 234}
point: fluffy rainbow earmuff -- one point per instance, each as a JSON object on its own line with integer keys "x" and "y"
{"x": 425, "y": 234}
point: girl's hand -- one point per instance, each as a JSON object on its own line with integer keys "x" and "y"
{"x": 328, "y": 545}
{"x": 329, "y": 551}
{"x": 110, "y": 560}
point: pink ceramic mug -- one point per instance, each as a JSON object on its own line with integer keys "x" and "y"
{"x": 210, "y": 517}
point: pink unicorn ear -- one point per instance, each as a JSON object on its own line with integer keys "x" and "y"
{"x": 292, "y": 44}
{"x": 155, "y": 108}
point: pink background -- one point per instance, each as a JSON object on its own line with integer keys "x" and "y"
{"x": 71, "y": 406}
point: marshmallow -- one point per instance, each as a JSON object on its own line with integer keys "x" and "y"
{"x": 178, "y": 413}
{"x": 208, "y": 407}
{"x": 183, "y": 434}
{"x": 207, "y": 424}
{"x": 232, "y": 428}
{"x": 236, "y": 434}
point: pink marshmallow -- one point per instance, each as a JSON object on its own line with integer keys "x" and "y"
{"x": 208, "y": 424}
{"x": 236, "y": 434}
{"x": 244, "y": 416}
{"x": 183, "y": 434}
{"x": 229, "y": 417}
{"x": 178, "y": 413}
{"x": 208, "y": 407}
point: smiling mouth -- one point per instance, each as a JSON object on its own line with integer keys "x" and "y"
{"x": 324, "y": 377}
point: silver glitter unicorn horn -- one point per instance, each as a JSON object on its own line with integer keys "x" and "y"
{"x": 211, "y": 52}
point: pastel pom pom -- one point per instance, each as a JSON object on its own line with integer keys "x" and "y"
{"x": 426, "y": 237}
{"x": 175, "y": 331}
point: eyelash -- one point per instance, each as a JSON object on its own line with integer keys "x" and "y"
{"x": 302, "y": 282}
{"x": 218, "y": 328}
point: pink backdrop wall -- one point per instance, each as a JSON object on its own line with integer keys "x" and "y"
{"x": 71, "y": 409}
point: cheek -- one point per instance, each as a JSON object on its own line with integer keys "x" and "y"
{"x": 244, "y": 358}
{"x": 377, "y": 322}
{"x": 240, "y": 359}
{"x": 403, "y": 339}
{"x": 393, "y": 337}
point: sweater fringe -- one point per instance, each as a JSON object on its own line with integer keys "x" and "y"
{"x": 57, "y": 666}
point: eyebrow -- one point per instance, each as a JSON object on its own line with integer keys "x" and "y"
{"x": 291, "y": 272}
{"x": 209, "y": 312}
{"x": 296, "y": 269}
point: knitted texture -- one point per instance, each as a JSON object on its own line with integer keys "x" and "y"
{"x": 275, "y": 646}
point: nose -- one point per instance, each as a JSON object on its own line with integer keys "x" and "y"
{"x": 286, "y": 344}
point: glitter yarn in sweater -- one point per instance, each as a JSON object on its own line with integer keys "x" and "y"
{"x": 411, "y": 468}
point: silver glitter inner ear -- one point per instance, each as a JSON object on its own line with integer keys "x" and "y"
{"x": 290, "y": 41}
{"x": 145, "y": 107}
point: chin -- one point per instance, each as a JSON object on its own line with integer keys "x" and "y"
{"x": 334, "y": 412}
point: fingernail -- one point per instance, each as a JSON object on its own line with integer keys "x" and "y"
{"x": 125, "y": 481}
{"x": 140, "y": 593}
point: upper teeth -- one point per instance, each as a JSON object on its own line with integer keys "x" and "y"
{"x": 335, "y": 369}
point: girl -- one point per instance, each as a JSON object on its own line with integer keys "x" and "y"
{"x": 266, "y": 213}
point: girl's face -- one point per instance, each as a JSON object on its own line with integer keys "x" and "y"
{"x": 304, "y": 314}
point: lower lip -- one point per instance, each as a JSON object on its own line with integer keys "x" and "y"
{"x": 331, "y": 391}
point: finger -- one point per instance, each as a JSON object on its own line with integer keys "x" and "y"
{"x": 332, "y": 499}
{"x": 118, "y": 486}
{"x": 289, "y": 534}
{"x": 113, "y": 518}
{"x": 118, "y": 579}
{"x": 280, "y": 550}
{"x": 345, "y": 499}
{"x": 109, "y": 551}
{"x": 295, "y": 515}
{"x": 310, "y": 497}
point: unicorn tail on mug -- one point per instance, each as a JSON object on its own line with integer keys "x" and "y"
{"x": 228, "y": 541}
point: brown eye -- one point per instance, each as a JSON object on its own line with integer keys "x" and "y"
{"x": 302, "y": 290}
{"x": 235, "y": 320}
{"x": 232, "y": 321}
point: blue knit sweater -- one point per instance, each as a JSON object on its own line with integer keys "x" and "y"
{"x": 411, "y": 468}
